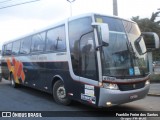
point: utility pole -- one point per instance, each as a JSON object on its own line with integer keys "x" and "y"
{"x": 115, "y": 8}
{"x": 71, "y": 1}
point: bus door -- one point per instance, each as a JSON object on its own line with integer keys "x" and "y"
{"x": 83, "y": 55}
{"x": 88, "y": 65}
{"x": 88, "y": 69}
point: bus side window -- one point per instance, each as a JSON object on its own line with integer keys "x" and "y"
{"x": 8, "y": 49}
{"x": 4, "y": 50}
{"x": 25, "y": 45}
{"x": 16, "y": 47}
{"x": 56, "y": 39}
{"x": 38, "y": 42}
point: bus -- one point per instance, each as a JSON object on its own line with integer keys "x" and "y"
{"x": 95, "y": 59}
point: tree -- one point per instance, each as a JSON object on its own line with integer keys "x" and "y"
{"x": 154, "y": 16}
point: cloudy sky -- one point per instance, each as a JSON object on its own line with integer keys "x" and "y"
{"x": 22, "y": 19}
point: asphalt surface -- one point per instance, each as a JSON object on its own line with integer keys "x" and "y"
{"x": 27, "y": 99}
{"x": 154, "y": 89}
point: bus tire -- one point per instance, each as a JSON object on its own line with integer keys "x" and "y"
{"x": 59, "y": 93}
{"x": 13, "y": 83}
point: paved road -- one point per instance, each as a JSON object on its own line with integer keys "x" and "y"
{"x": 27, "y": 99}
{"x": 155, "y": 89}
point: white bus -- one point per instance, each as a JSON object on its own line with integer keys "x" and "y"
{"x": 94, "y": 59}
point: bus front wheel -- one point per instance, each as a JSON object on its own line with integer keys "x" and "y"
{"x": 59, "y": 93}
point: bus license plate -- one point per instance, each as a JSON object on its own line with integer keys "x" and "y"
{"x": 133, "y": 97}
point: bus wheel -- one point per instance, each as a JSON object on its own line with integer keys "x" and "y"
{"x": 59, "y": 93}
{"x": 13, "y": 83}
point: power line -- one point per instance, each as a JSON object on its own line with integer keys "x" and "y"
{"x": 5, "y": 1}
{"x": 18, "y": 4}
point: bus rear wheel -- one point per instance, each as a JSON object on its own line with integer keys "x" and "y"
{"x": 59, "y": 93}
{"x": 13, "y": 83}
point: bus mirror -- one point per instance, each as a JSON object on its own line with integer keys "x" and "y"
{"x": 103, "y": 32}
{"x": 151, "y": 40}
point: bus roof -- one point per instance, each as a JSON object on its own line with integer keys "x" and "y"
{"x": 63, "y": 22}
{"x": 92, "y": 14}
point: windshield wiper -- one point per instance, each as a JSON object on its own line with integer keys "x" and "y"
{"x": 131, "y": 51}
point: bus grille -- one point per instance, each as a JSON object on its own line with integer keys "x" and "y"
{"x": 132, "y": 86}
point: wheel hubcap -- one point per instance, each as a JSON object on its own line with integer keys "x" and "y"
{"x": 61, "y": 93}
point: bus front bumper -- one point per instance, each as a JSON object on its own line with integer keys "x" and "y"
{"x": 115, "y": 97}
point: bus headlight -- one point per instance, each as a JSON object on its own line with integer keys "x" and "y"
{"x": 110, "y": 86}
{"x": 147, "y": 82}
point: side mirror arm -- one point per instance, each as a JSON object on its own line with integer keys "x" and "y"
{"x": 103, "y": 31}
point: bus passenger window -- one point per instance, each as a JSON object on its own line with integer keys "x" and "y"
{"x": 38, "y": 42}
{"x": 4, "y": 48}
{"x": 56, "y": 39}
{"x": 8, "y": 49}
{"x": 16, "y": 46}
{"x": 25, "y": 45}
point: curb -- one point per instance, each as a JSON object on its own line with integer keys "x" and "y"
{"x": 153, "y": 94}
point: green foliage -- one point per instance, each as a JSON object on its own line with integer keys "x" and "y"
{"x": 154, "y": 16}
{"x": 150, "y": 25}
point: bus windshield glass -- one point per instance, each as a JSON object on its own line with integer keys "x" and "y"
{"x": 125, "y": 56}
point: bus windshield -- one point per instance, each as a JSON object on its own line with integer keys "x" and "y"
{"x": 125, "y": 56}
